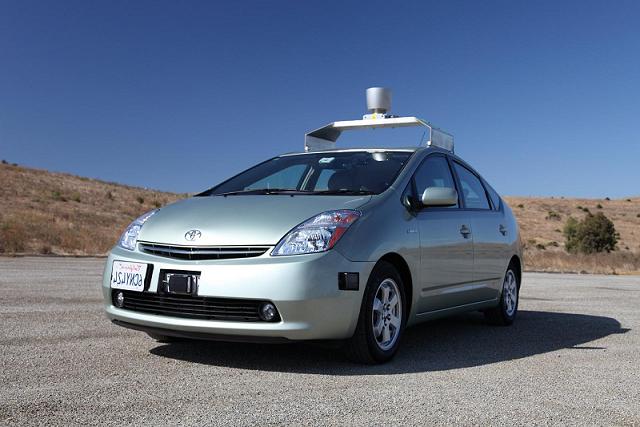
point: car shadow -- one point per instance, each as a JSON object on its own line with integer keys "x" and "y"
{"x": 458, "y": 342}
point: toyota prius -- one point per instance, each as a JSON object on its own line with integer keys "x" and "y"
{"x": 331, "y": 243}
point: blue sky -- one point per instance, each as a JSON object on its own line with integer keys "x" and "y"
{"x": 543, "y": 97}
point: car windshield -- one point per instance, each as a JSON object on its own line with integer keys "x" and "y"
{"x": 357, "y": 172}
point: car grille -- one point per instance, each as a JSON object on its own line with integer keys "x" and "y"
{"x": 192, "y": 307}
{"x": 203, "y": 252}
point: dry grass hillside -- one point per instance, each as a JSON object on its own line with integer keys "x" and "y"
{"x": 53, "y": 213}
{"x": 542, "y": 220}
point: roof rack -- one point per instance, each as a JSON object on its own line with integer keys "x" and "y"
{"x": 378, "y": 104}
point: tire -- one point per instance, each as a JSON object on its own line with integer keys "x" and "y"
{"x": 382, "y": 317}
{"x": 505, "y": 313}
{"x": 163, "y": 338}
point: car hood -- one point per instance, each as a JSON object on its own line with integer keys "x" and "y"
{"x": 247, "y": 220}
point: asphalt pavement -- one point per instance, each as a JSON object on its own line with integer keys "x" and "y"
{"x": 572, "y": 358}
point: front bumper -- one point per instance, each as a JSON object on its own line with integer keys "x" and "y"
{"x": 304, "y": 289}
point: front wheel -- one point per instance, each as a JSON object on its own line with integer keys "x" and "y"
{"x": 382, "y": 317}
{"x": 505, "y": 313}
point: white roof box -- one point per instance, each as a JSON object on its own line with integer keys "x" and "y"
{"x": 378, "y": 103}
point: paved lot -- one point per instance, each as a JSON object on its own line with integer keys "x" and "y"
{"x": 573, "y": 357}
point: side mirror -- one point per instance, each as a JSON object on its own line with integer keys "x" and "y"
{"x": 439, "y": 196}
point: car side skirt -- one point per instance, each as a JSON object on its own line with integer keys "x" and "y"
{"x": 445, "y": 312}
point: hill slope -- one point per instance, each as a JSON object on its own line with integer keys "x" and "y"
{"x": 541, "y": 222}
{"x": 54, "y": 213}
{"x": 45, "y": 212}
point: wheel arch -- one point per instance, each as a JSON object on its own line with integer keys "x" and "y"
{"x": 401, "y": 265}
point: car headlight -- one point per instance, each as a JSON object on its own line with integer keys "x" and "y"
{"x": 129, "y": 238}
{"x": 317, "y": 234}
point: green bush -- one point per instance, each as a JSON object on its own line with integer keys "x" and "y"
{"x": 570, "y": 232}
{"x": 595, "y": 233}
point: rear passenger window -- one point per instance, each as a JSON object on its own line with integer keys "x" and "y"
{"x": 495, "y": 198}
{"x": 472, "y": 190}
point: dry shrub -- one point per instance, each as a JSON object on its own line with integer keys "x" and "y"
{"x": 12, "y": 236}
{"x": 601, "y": 263}
{"x": 44, "y": 212}
{"x": 38, "y": 232}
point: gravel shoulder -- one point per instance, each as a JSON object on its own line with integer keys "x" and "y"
{"x": 571, "y": 358}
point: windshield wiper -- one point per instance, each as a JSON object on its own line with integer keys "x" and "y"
{"x": 344, "y": 191}
{"x": 290, "y": 191}
{"x": 262, "y": 191}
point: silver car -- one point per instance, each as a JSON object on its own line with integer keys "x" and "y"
{"x": 327, "y": 244}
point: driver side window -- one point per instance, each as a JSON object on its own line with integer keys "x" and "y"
{"x": 433, "y": 172}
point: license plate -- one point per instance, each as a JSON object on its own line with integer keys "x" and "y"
{"x": 128, "y": 275}
{"x": 175, "y": 282}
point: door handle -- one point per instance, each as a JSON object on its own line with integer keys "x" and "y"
{"x": 503, "y": 230}
{"x": 465, "y": 231}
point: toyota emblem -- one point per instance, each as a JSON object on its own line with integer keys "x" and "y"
{"x": 192, "y": 235}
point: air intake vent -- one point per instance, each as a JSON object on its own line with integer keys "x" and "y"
{"x": 192, "y": 307}
{"x": 202, "y": 252}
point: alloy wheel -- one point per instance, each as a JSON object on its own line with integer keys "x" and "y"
{"x": 510, "y": 291}
{"x": 387, "y": 314}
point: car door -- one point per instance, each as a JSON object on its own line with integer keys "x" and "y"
{"x": 489, "y": 234}
{"x": 446, "y": 242}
